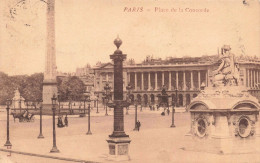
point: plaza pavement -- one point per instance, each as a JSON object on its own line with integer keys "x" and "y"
{"x": 155, "y": 143}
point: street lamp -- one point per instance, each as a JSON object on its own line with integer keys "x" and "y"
{"x": 97, "y": 102}
{"x": 173, "y": 111}
{"x": 136, "y": 103}
{"x": 8, "y": 143}
{"x": 128, "y": 88}
{"x": 40, "y": 135}
{"x": 107, "y": 89}
{"x": 54, "y": 147}
{"x": 89, "y": 132}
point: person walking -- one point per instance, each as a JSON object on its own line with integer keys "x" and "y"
{"x": 66, "y": 121}
{"x": 138, "y": 125}
{"x": 168, "y": 111}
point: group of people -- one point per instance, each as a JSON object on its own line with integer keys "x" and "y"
{"x": 138, "y": 125}
{"x": 60, "y": 122}
{"x": 168, "y": 112}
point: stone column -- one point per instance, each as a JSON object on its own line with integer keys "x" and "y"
{"x": 155, "y": 78}
{"x": 199, "y": 79}
{"x": 162, "y": 78}
{"x": 207, "y": 78}
{"x": 248, "y": 79}
{"x": 107, "y": 77}
{"x": 136, "y": 81}
{"x": 149, "y": 81}
{"x": 118, "y": 141}
{"x": 191, "y": 80}
{"x": 128, "y": 77}
{"x": 170, "y": 80}
{"x": 177, "y": 80}
{"x": 251, "y": 78}
{"x": 184, "y": 81}
{"x": 50, "y": 73}
{"x": 125, "y": 80}
{"x": 142, "y": 75}
{"x": 255, "y": 79}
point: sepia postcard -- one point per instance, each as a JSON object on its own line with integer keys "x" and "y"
{"x": 138, "y": 81}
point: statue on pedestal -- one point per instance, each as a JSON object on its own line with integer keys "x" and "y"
{"x": 227, "y": 72}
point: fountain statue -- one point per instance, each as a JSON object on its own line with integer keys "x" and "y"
{"x": 224, "y": 116}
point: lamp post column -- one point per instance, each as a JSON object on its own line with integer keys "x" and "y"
{"x": 89, "y": 132}
{"x": 118, "y": 141}
{"x": 40, "y": 135}
{"x": 7, "y": 143}
{"x": 135, "y": 129}
{"x": 97, "y": 105}
{"x": 54, "y": 147}
{"x": 173, "y": 111}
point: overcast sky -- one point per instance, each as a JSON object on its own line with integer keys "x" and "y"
{"x": 85, "y": 31}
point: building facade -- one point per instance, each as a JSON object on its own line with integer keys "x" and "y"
{"x": 183, "y": 77}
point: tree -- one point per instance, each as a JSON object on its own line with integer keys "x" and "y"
{"x": 31, "y": 89}
{"x": 70, "y": 88}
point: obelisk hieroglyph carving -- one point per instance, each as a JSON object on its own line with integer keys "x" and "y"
{"x": 49, "y": 82}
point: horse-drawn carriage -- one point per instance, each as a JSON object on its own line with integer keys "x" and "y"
{"x": 23, "y": 116}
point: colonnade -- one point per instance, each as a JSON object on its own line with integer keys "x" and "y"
{"x": 182, "y": 80}
{"x": 253, "y": 78}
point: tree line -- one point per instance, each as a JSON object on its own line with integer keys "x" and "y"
{"x": 30, "y": 87}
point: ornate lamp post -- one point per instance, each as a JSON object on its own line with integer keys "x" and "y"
{"x": 128, "y": 88}
{"x": 7, "y": 143}
{"x": 118, "y": 141}
{"x": 40, "y": 135}
{"x": 107, "y": 88}
{"x": 173, "y": 111}
{"x": 54, "y": 147}
{"x": 89, "y": 132}
{"x": 97, "y": 102}
{"x": 136, "y": 104}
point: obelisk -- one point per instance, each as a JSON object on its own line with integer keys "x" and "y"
{"x": 49, "y": 82}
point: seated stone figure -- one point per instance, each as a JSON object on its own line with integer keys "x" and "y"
{"x": 227, "y": 72}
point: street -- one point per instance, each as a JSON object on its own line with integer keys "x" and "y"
{"x": 155, "y": 142}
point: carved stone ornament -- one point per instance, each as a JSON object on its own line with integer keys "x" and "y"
{"x": 244, "y": 127}
{"x": 200, "y": 126}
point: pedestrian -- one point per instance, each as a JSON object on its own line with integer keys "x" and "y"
{"x": 168, "y": 111}
{"x": 60, "y": 123}
{"x": 138, "y": 125}
{"x": 66, "y": 121}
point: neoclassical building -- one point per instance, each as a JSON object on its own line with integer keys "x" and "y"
{"x": 184, "y": 75}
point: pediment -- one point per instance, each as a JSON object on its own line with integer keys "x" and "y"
{"x": 108, "y": 65}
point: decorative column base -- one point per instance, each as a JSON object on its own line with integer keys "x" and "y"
{"x": 8, "y": 143}
{"x": 40, "y": 136}
{"x": 54, "y": 150}
{"x": 118, "y": 148}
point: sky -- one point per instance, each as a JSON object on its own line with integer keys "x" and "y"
{"x": 85, "y": 31}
